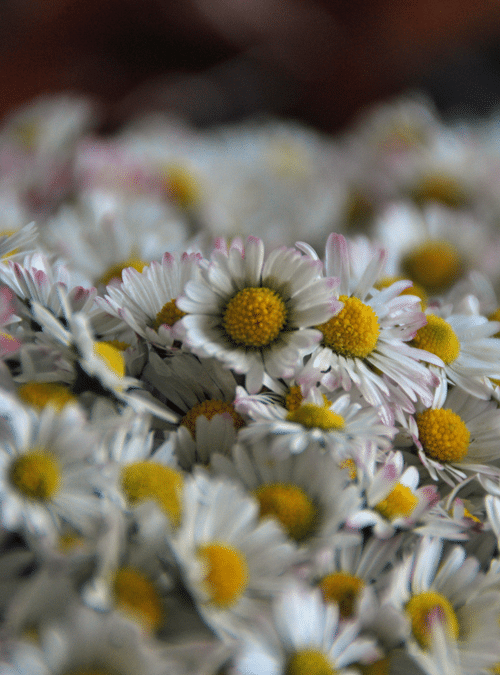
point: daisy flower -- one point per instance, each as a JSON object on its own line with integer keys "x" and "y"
{"x": 457, "y": 438}
{"x": 227, "y": 557}
{"x": 393, "y": 499}
{"x": 47, "y": 471}
{"x": 367, "y": 341}
{"x": 256, "y": 315}
{"x": 146, "y": 300}
{"x": 306, "y": 493}
{"x": 333, "y": 424}
{"x": 305, "y": 637}
{"x": 427, "y": 593}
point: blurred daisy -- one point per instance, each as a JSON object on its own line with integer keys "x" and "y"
{"x": 366, "y": 341}
{"x": 256, "y": 315}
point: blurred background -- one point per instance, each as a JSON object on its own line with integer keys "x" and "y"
{"x": 220, "y": 60}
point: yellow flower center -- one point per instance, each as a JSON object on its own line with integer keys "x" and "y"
{"x": 495, "y": 316}
{"x": 315, "y": 416}
{"x": 115, "y": 271}
{"x": 180, "y": 185}
{"x": 353, "y": 331}
{"x": 254, "y": 317}
{"x": 111, "y": 356}
{"x": 425, "y": 608}
{"x": 208, "y": 409}
{"x": 309, "y": 662}
{"x": 291, "y": 506}
{"x": 416, "y": 289}
{"x": 359, "y": 209}
{"x": 443, "y": 434}
{"x": 344, "y": 589}
{"x": 400, "y": 502}
{"x": 227, "y": 573}
{"x": 380, "y": 667}
{"x": 69, "y": 540}
{"x": 168, "y": 314}
{"x": 294, "y": 398}
{"x": 351, "y": 467}
{"x": 142, "y": 481}
{"x": 439, "y": 338}
{"x": 36, "y": 475}
{"x": 136, "y": 595}
{"x": 435, "y": 265}
{"x": 40, "y": 394}
{"x": 439, "y": 188}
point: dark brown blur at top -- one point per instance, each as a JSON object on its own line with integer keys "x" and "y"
{"x": 215, "y": 60}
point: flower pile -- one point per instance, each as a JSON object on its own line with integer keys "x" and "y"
{"x": 249, "y": 396}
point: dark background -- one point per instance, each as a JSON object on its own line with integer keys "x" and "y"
{"x": 220, "y": 60}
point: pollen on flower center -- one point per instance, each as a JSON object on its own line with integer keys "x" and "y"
{"x": 439, "y": 338}
{"x": 135, "y": 594}
{"x": 227, "y": 573}
{"x": 254, "y": 317}
{"x": 168, "y": 314}
{"x": 111, "y": 356}
{"x": 435, "y": 265}
{"x": 440, "y": 188}
{"x": 495, "y": 316}
{"x": 181, "y": 186}
{"x": 443, "y": 434}
{"x": 294, "y": 398}
{"x": 36, "y": 475}
{"x": 344, "y": 589}
{"x": 142, "y": 481}
{"x": 41, "y": 394}
{"x": 208, "y": 409}
{"x": 427, "y": 607}
{"x": 353, "y": 331}
{"x": 400, "y": 502}
{"x": 308, "y": 662}
{"x": 315, "y": 416}
{"x": 115, "y": 271}
{"x": 291, "y": 506}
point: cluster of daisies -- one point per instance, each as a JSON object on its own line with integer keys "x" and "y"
{"x": 249, "y": 396}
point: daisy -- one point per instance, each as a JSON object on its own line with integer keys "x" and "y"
{"x": 333, "y": 424}
{"x": 256, "y": 315}
{"x": 227, "y": 557}
{"x": 48, "y": 475}
{"x": 146, "y": 300}
{"x": 366, "y": 342}
{"x": 457, "y": 438}
{"x": 305, "y": 637}
{"x": 427, "y": 593}
{"x": 306, "y": 493}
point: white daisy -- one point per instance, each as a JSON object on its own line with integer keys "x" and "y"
{"x": 48, "y": 476}
{"x": 146, "y": 300}
{"x": 304, "y": 637}
{"x": 306, "y": 493}
{"x": 227, "y": 557}
{"x": 256, "y": 315}
{"x": 367, "y": 341}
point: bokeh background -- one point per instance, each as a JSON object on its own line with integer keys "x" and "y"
{"x": 220, "y": 60}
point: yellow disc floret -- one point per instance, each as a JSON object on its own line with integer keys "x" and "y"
{"x": 443, "y": 434}
{"x": 111, "y": 356}
{"x": 435, "y": 265}
{"x": 314, "y": 416}
{"x": 226, "y": 577}
{"x": 115, "y": 271}
{"x": 380, "y": 667}
{"x": 495, "y": 316}
{"x": 294, "y": 398}
{"x": 41, "y": 394}
{"x": 208, "y": 409}
{"x": 36, "y": 475}
{"x": 142, "y": 481}
{"x": 399, "y": 503}
{"x": 181, "y": 186}
{"x": 254, "y": 317}
{"x": 168, "y": 314}
{"x": 439, "y": 188}
{"x": 308, "y": 662}
{"x": 427, "y": 607}
{"x": 136, "y": 595}
{"x": 353, "y": 331}
{"x": 344, "y": 589}
{"x": 350, "y": 465}
{"x": 291, "y": 506}
{"x": 439, "y": 338}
